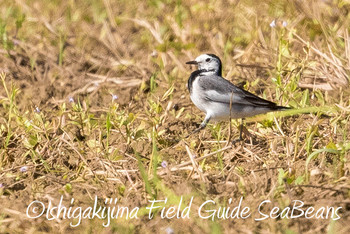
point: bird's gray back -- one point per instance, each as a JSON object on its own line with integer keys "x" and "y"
{"x": 217, "y": 89}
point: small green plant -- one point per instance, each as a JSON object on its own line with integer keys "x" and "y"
{"x": 9, "y": 104}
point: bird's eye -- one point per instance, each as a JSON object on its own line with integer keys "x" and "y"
{"x": 207, "y": 60}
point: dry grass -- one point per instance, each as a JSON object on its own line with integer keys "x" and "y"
{"x": 94, "y": 103}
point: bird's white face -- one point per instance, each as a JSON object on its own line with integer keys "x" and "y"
{"x": 210, "y": 63}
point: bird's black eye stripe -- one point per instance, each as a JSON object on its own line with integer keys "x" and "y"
{"x": 207, "y": 60}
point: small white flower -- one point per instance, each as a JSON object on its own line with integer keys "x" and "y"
{"x": 164, "y": 164}
{"x": 71, "y": 100}
{"x": 37, "y": 110}
{"x": 23, "y": 169}
{"x": 169, "y": 230}
{"x": 154, "y": 53}
{"x": 114, "y": 97}
{"x": 284, "y": 24}
{"x": 273, "y": 24}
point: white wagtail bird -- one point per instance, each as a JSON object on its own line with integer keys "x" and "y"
{"x": 219, "y": 98}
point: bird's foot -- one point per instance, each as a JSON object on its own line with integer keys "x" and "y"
{"x": 237, "y": 141}
{"x": 203, "y": 125}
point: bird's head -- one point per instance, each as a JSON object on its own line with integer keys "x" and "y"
{"x": 210, "y": 63}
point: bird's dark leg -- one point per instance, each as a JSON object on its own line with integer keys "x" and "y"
{"x": 203, "y": 125}
{"x": 230, "y": 122}
{"x": 240, "y": 132}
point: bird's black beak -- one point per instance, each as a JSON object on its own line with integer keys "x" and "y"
{"x": 192, "y": 62}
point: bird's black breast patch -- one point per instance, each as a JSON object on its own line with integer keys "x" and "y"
{"x": 192, "y": 77}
